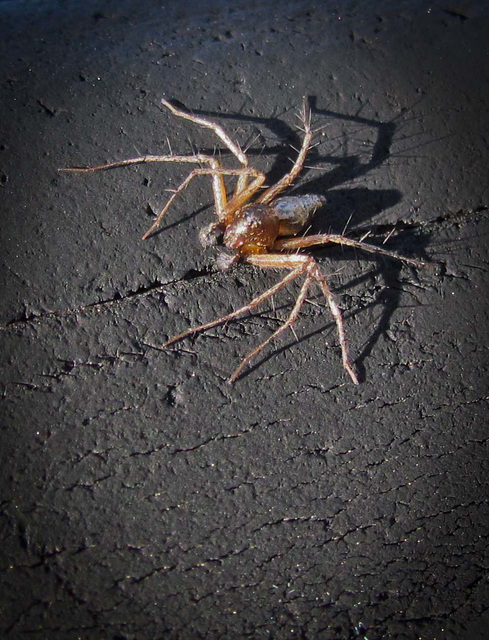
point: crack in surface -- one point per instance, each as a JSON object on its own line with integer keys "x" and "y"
{"x": 381, "y": 229}
{"x": 117, "y": 298}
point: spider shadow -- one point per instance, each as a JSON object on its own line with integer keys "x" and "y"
{"x": 359, "y": 204}
{"x": 363, "y": 202}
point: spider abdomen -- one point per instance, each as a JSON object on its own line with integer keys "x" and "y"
{"x": 295, "y": 212}
{"x": 253, "y": 230}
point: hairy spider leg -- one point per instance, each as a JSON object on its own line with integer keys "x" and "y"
{"x": 221, "y": 134}
{"x": 298, "y": 265}
{"x": 240, "y": 199}
{"x": 234, "y": 314}
{"x": 218, "y": 187}
{"x": 272, "y": 192}
{"x": 215, "y": 170}
{"x": 258, "y": 179}
{"x": 326, "y": 238}
{"x": 243, "y": 192}
{"x": 289, "y": 322}
{"x": 310, "y": 267}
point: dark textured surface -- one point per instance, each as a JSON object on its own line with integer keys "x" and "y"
{"x": 142, "y": 496}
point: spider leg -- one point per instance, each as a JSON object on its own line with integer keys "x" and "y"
{"x": 218, "y": 130}
{"x": 218, "y": 187}
{"x": 288, "y": 323}
{"x": 221, "y": 134}
{"x": 215, "y": 173}
{"x": 320, "y": 278}
{"x": 273, "y": 191}
{"x": 311, "y": 268}
{"x": 214, "y": 170}
{"x": 248, "y": 307}
{"x": 240, "y": 198}
{"x": 326, "y": 238}
{"x": 298, "y": 264}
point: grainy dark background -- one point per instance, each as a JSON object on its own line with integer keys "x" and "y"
{"x": 142, "y": 496}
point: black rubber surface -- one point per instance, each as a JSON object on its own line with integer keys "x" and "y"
{"x": 141, "y": 495}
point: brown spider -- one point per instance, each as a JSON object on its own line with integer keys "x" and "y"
{"x": 259, "y": 228}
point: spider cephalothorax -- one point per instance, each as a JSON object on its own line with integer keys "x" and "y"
{"x": 260, "y": 228}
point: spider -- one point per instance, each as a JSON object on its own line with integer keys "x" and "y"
{"x": 258, "y": 227}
